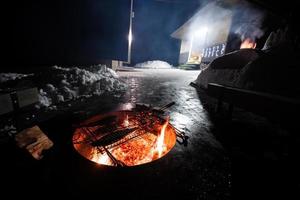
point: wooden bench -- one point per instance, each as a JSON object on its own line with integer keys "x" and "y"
{"x": 16, "y": 102}
{"x": 274, "y": 107}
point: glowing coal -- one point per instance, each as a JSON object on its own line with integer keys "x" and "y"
{"x": 134, "y": 138}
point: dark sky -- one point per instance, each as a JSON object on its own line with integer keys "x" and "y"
{"x": 83, "y": 32}
{"x": 69, "y": 31}
{"x": 72, "y": 32}
{"x": 153, "y": 23}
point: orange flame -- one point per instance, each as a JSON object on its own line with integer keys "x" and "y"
{"x": 248, "y": 44}
{"x": 153, "y": 143}
{"x": 100, "y": 158}
{"x": 160, "y": 145}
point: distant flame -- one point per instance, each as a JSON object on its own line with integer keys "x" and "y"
{"x": 126, "y": 121}
{"x": 248, "y": 44}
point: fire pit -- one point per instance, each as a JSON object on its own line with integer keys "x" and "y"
{"x": 127, "y": 137}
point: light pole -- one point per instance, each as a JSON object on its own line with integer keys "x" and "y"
{"x": 131, "y": 15}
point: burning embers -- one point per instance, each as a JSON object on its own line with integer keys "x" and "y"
{"x": 248, "y": 43}
{"x": 126, "y": 138}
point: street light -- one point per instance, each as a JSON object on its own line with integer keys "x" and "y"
{"x": 131, "y": 15}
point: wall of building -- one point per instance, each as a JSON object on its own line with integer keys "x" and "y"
{"x": 210, "y": 45}
{"x": 216, "y": 41}
{"x": 184, "y": 51}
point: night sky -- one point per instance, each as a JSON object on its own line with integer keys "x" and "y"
{"x": 74, "y": 32}
{"x": 154, "y": 22}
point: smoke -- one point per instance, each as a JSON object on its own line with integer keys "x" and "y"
{"x": 208, "y": 14}
{"x": 247, "y": 21}
{"x": 205, "y": 28}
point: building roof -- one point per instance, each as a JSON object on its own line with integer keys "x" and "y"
{"x": 202, "y": 16}
{"x": 284, "y": 10}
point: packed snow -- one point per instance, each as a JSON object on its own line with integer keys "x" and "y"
{"x": 12, "y": 76}
{"x": 65, "y": 84}
{"x": 155, "y": 64}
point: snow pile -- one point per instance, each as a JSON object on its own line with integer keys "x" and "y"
{"x": 12, "y": 76}
{"x": 65, "y": 84}
{"x": 155, "y": 64}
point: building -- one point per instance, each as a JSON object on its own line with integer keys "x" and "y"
{"x": 218, "y": 28}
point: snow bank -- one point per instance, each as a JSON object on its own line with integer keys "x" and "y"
{"x": 12, "y": 76}
{"x": 276, "y": 38}
{"x": 155, "y": 64}
{"x": 65, "y": 84}
{"x": 275, "y": 71}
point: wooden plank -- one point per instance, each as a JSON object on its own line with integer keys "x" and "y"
{"x": 34, "y": 140}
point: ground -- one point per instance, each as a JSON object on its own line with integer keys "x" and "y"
{"x": 204, "y": 169}
{"x": 203, "y": 164}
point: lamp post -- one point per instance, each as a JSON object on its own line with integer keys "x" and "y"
{"x": 131, "y": 15}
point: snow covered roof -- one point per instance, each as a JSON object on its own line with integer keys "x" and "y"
{"x": 210, "y": 12}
